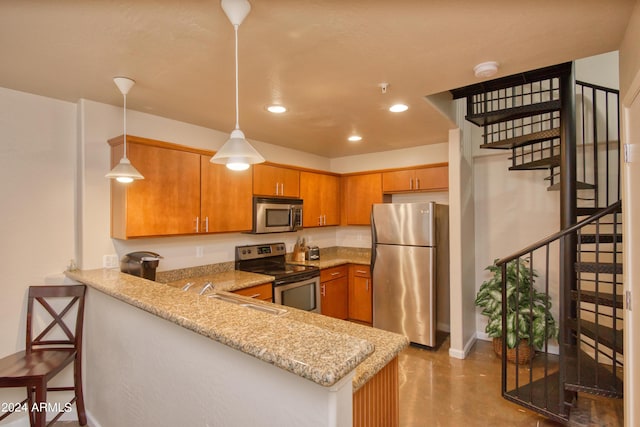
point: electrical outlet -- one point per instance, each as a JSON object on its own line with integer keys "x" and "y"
{"x": 199, "y": 251}
{"x": 110, "y": 261}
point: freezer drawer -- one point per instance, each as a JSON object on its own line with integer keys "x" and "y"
{"x": 404, "y": 292}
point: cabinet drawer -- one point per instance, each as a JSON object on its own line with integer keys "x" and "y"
{"x": 333, "y": 273}
{"x": 262, "y": 292}
{"x": 361, "y": 270}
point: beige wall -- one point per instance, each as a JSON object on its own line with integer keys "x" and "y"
{"x": 629, "y": 90}
{"x": 37, "y": 168}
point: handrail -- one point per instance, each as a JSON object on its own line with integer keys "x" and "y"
{"x": 560, "y": 233}
{"x": 598, "y": 87}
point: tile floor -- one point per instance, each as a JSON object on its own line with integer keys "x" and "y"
{"x": 439, "y": 391}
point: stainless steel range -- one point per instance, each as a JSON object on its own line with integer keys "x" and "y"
{"x": 294, "y": 286}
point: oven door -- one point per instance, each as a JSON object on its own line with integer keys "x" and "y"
{"x": 303, "y": 295}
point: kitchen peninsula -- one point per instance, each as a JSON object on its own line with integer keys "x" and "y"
{"x": 242, "y": 367}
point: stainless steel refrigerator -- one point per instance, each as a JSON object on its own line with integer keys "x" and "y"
{"x": 409, "y": 260}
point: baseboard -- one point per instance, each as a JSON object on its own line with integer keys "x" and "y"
{"x": 462, "y": 354}
{"x": 91, "y": 421}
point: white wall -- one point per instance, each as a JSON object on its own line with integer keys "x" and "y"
{"x": 37, "y": 146}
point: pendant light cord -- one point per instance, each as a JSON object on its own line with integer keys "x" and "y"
{"x": 124, "y": 113}
{"x": 237, "y": 108}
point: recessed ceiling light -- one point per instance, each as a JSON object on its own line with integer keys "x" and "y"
{"x": 398, "y": 108}
{"x": 277, "y": 109}
{"x": 355, "y": 138}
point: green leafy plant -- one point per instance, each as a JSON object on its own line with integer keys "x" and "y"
{"x": 528, "y": 311}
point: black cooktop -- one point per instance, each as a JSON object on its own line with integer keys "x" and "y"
{"x": 270, "y": 259}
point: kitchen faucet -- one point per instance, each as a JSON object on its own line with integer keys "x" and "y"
{"x": 206, "y": 287}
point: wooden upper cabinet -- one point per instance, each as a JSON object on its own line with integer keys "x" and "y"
{"x": 226, "y": 198}
{"x": 276, "y": 181}
{"x": 321, "y": 195}
{"x": 182, "y": 192}
{"x": 165, "y": 202}
{"x": 431, "y": 178}
{"x": 360, "y": 192}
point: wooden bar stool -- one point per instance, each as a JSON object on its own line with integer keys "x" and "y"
{"x": 44, "y": 358}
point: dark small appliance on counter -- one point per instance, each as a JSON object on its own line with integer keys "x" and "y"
{"x": 142, "y": 264}
{"x": 313, "y": 253}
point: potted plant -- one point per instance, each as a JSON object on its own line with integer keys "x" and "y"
{"x": 529, "y": 319}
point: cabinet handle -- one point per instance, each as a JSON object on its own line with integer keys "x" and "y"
{"x": 417, "y": 183}
{"x": 206, "y": 224}
{"x": 197, "y": 224}
{"x": 324, "y": 219}
{"x": 367, "y": 285}
{"x": 254, "y": 296}
{"x": 282, "y": 188}
{"x": 410, "y": 183}
{"x": 335, "y": 273}
{"x": 277, "y": 188}
{"x": 361, "y": 271}
{"x": 322, "y": 289}
{"x": 320, "y": 220}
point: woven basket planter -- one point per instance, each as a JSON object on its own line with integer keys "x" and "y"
{"x": 525, "y": 351}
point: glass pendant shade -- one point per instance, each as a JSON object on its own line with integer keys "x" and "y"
{"x": 124, "y": 171}
{"x": 237, "y": 153}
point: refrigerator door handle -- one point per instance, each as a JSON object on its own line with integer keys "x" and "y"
{"x": 373, "y": 243}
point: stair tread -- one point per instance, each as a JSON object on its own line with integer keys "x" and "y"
{"x": 585, "y": 375}
{"x": 600, "y": 238}
{"x": 497, "y": 116}
{"x": 532, "y": 396}
{"x": 601, "y": 298}
{"x": 523, "y": 140}
{"x": 599, "y": 267}
{"x": 603, "y": 335}
{"x": 579, "y": 186}
{"x": 546, "y": 163}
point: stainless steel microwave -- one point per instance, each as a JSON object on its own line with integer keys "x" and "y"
{"x": 276, "y": 215}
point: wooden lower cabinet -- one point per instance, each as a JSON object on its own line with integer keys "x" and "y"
{"x": 376, "y": 403}
{"x": 334, "y": 292}
{"x": 262, "y": 292}
{"x": 360, "y": 293}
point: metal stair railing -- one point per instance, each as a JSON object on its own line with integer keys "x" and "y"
{"x": 540, "y": 383}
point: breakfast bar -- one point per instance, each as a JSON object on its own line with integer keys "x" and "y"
{"x": 245, "y": 362}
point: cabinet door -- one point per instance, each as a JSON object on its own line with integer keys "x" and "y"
{"x": 226, "y": 198}
{"x": 310, "y": 192}
{"x": 335, "y": 295}
{"x": 275, "y": 181}
{"x": 330, "y": 199}
{"x": 360, "y": 294}
{"x": 436, "y": 178}
{"x": 361, "y": 191}
{"x": 166, "y": 202}
{"x": 397, "y": 181}
{"x": 321, "y": 195}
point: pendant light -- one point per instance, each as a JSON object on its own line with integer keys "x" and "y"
{"x": 124, "y": 171}
{"x": 237, "y": 153}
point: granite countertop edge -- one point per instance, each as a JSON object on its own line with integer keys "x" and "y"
{"x": 350, "y": 345}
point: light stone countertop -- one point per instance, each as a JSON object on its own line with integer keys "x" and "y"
{"x": 318, "y": 348}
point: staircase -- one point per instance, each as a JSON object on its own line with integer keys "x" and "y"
{"x": 551, "y": 122}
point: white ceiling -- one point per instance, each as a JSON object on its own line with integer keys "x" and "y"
{"x": 323, "y": 59}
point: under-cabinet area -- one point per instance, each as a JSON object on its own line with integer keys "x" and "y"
{"x": 183, "y": 193}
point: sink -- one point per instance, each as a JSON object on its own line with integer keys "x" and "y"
{"x": 276, "y": 311}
